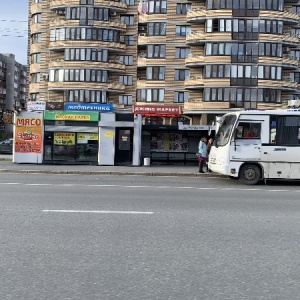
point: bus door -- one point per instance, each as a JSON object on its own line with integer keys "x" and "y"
{"x": 247, "y": 140}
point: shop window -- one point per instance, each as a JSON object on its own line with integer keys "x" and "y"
{"x": 183, "y": 120}
{"x": 153, "y": 121}
{"x": 165, "y": 141}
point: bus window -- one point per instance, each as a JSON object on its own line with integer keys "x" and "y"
{"x": 248, "y": 130}
{"x": 224, "y": 132}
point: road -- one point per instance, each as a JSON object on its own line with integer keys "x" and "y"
{"x": 134, "y": 237}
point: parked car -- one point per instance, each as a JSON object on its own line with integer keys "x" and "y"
{"x": 6, "y": 146}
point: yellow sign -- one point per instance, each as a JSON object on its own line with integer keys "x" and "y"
{"x": 85, "y": 137}
{"x": 64, "y": 138}
{"x": 71, "y": 117}
{"x": 109, "y": 134}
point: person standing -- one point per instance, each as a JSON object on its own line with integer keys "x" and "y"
{"x": 202, "y": 153}
{"x": 208, "y": 147}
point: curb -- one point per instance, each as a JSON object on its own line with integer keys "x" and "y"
{"x": 78, "y": 172}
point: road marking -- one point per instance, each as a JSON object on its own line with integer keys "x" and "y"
{"x": 101, "y": 212}
{"x": 229, "y": 189}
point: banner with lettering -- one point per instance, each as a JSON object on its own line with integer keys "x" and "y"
{"x": 28, "y": 134}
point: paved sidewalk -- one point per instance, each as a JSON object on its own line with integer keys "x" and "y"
{"x": 7, "y": 166}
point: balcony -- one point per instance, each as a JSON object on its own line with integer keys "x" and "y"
{"x": 143, "y": 39}
{"x": 287, "y": 39}
{"x": 198, "y": 82}
{"x": 62, "y": 22}
{"x": 110, "y": 66}
{"x": 60, "y": 45}
{"x": 201, "y": 60}
{"x": 115, "y": 87}
{"x": 286, "y": 62}
{"x": 288, "y": 16}
{"x": 199, "y": 15}
{"x": 206, "y": 105}
{"x": 115, "y": 6}
{"x": 143, "y": 61}
{"x": 199, "y": 37}
{"x": 140, "y": 84}
{"x": 278, "y": 84}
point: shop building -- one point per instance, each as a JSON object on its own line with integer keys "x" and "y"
{"x": 77, "y": 137}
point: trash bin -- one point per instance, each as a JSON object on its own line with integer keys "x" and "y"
{"x": 147, "y": 161}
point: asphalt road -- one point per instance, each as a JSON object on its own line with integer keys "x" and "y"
{"x": 133, "y": 237}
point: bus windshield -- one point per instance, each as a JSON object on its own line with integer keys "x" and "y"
{"x": 225, "y": 130}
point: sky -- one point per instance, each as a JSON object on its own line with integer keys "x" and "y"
{"x": 13, "y": 28}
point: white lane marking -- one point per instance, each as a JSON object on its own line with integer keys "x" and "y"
{"x": 100, "y": 211}
{"x": 149, "y": 186}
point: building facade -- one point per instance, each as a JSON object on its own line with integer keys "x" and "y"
{"x": 13, "y": 89}
{"x": 204, "y": 58}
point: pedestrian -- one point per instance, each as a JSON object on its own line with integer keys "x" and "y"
{"x": 202, "y": 153}
{"x": 208, "y": 148}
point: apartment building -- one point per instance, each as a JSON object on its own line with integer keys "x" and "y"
{"x": 174, "y": 62}
{"x": 12, "y": 89}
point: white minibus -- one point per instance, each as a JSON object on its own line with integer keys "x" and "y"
{"x": 257, "y": 145}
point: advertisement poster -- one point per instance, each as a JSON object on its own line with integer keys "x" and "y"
{"x": 84, "y": 138}
{"x": 28, "y": 135}
{"x": 176, "y": 142}
{"x": 64, "y": 138}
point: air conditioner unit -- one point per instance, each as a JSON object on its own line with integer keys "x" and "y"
{"x": 46, "y": 77}
{"x": 61, "y": 12}
{"x": 143, "y": 28}
{"x": 113, "y": 13}
{"x": 122, "y": 39}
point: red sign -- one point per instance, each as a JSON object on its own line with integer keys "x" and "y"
{"x": 157, "y": 110}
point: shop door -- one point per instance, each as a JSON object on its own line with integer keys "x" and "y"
{"x": 124, "y": 146}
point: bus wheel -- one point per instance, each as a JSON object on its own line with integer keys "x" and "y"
{"x": 250, "y": 174}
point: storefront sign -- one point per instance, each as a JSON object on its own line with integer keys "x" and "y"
{"x": 88, "y": 107}
{"x": 54, "y": 105}
{"x": 36, "y": 105}
{"x": 64, "y": 138}
{"x": 109, "y": 134}
{"x": 196, "y": 127}
{"x": 57, "y": 115}
{"x": 157, "y": 110}
{"x": 28, "y": 135}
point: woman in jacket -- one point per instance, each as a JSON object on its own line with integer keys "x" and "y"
{"x": 202, "y": 153}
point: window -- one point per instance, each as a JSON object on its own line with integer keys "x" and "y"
{"x": 128, "y": 2}
{"x": 126, "y": 60}
{"x": 35, "y": 77}
{"x": 86, "y": 2}
{"x": 128, "y": 40}
{"x": 34, "y": 96}
{"x": 182, "y": 52}
{"x": 156, "y": 51}
{"x": 180, "y": 97}
{"x": 155, "y": 73}
{"x": 88, "y": 54}
{"x": 271, "y": 26}
{"x": 285, "y": 130}
{"x": 181, "y": 74}
{"x": 157, "y": 6}
{"x": 218, "y": 25}
{"x": 80, "y": 75}
{"x": 248, "y": 130}
{"x": 126, "y": 79}
{"x": 157, "y": 28}
{"x": 36, "y": 58}
{"x": 125, "y": 99}
{"x": 36, "y": 18}
{"x": 183, "y": 8}
{"x": 36, "y": 38}
{"x": 150, "y": 95}
{"x": 182, "y": 30}
{"x": 295, "y": 77}
{"x": 127, "y": 19}
{"x": 85, "y": 96}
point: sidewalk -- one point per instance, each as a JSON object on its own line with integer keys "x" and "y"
{"x": 7, "y": 166}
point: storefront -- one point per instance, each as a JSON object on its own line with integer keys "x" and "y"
{"x": 71, "y": 137}
{"x": 175, "y": 142}
{"x": 78, "y": 137}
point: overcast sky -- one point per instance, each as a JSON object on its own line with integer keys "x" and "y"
{"x": 13, "y": 32}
